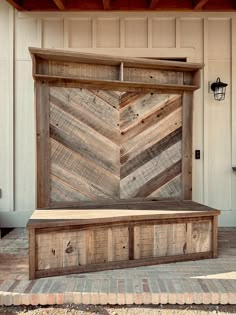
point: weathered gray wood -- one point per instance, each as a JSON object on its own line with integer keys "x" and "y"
{"x": 33, "y": 264}
{"x": 140, "y": 159}
{"x": 42, "y": 133}
{"x": 72, "y": 56}
{"x": 88, "y": 143}
{"x": 70, "y": 81}
{"x": 153, "y": 76}
{"x": 141, "y": 121}
{"x": 107, "y": 240}
{"x": 151, "y": 135}
{"x": 187, "y": 145}
{"x": 172, "y": 189}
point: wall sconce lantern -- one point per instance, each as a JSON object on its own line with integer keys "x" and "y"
{"x": 219, "y": 89}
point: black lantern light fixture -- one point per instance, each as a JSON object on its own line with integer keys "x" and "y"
{"x": 219, "y": 89}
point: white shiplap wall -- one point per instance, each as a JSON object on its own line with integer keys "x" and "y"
{"x": 203, "y": 37}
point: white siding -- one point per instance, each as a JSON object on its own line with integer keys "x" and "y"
{"x": 6, "y": 107}
{"x": 200, "y": 37}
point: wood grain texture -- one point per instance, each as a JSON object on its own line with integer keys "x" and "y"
{"x": 60, "y": 4}
{"x": 84, "y": 145}
{"x": 73, "y": 56}
{"x": 145, "y": 236}
{"x": 199, "y": 4}
{"x": 106, "y": 144}
{"x": 187, "y": 145}
{"x": 114, "y": 145}
{"x": 153, "y": 4}
{"x": 106, "y": 4}
{"x": 43, "y": 147}
{"x": 215, "y": 236}
{"x": 33, "y": 257}
{"x": 151, "y": 144}
{"x": 201, "y": 236}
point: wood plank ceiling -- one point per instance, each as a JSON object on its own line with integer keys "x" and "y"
{"x": 131, "y": 5}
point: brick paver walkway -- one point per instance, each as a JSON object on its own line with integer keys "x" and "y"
{"x": 202, "y": 282}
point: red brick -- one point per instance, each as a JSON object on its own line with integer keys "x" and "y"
{"x": 163, "y": 298}
{"x": 103, "y": 298}
{"x": 94, "y": 298}
{"x": 172, "y": 299}
{"x": 198, "y": 298}
{"x": 207, "y": 298}
{"x": 33, "y": 299}
{"x": 86, "y": 298}
{"x": 112, "y": 298}
{"x": 129, "y": 298}
{"x": 7, "y": 299}
{"x": 77, "y": 299}
{"x": 43, "y": 298}
{"x": 25, "y": 299}
{"x": 60, "y": 298}
{"x": 121, "y": 298}
{"x": 147, "y": 298}
{"x": 69, "y": 297}
{"x": 232, "y": 298}
{"x": 51, "y": 299}
{"x": 215, "y": 298}
{"x": 224, "y": 298}
{"x": 180, "y": 298}
{"x": 138, "y": 298}
{"x": 155, "y": 298}
{"x": 189, "y": 298}
{"x": 16, "y": 298}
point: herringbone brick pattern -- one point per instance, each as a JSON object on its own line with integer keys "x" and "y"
{"x": 200, "y": 282}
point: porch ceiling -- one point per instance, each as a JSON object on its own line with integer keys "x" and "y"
{"x": 118, "y": 5}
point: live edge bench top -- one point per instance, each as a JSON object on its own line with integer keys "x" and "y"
{"x": 143, "y": 211}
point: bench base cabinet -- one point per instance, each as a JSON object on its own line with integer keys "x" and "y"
{"x": 74, "y": 241}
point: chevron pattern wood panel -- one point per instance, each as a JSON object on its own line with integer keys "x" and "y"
{"x": 114, "y": 145}
{"x": 151, "y": 146}
{"x": 85, "y": 149}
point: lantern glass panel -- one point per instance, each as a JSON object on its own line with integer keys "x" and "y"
{"x": 219, "y": 93}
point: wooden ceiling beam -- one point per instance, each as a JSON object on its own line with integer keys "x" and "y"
{"x": 199, "y": 4}
{"x": 106, "y": 4}
{"x": 60, "y": 4}
{"x": 16, "y": 4}
{"x": 153, "y": 4}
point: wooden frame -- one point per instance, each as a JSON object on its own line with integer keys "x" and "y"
{"x": 52, "y": 68}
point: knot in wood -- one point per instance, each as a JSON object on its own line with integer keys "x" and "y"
{"x": 69, "y": 250}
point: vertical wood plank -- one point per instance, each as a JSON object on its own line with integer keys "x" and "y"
{"x": 89, "y": 246}
{"x": 189, "y": 238}
{"x": 131, "y": 242}
{"x": 32, "y": 254}
{"x": 110, "y": 248}
{"x": 187, "y": 145}
{"x": 43, "y": 150}
{"x": 201, "y": 236}
{"x": 136, "y": 242}
{"x": 215, "y": 237}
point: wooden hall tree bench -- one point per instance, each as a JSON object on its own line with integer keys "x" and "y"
{"x": 114, "y": 138}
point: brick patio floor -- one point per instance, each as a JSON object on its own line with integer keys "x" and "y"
{"x": 211, "y": 281}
